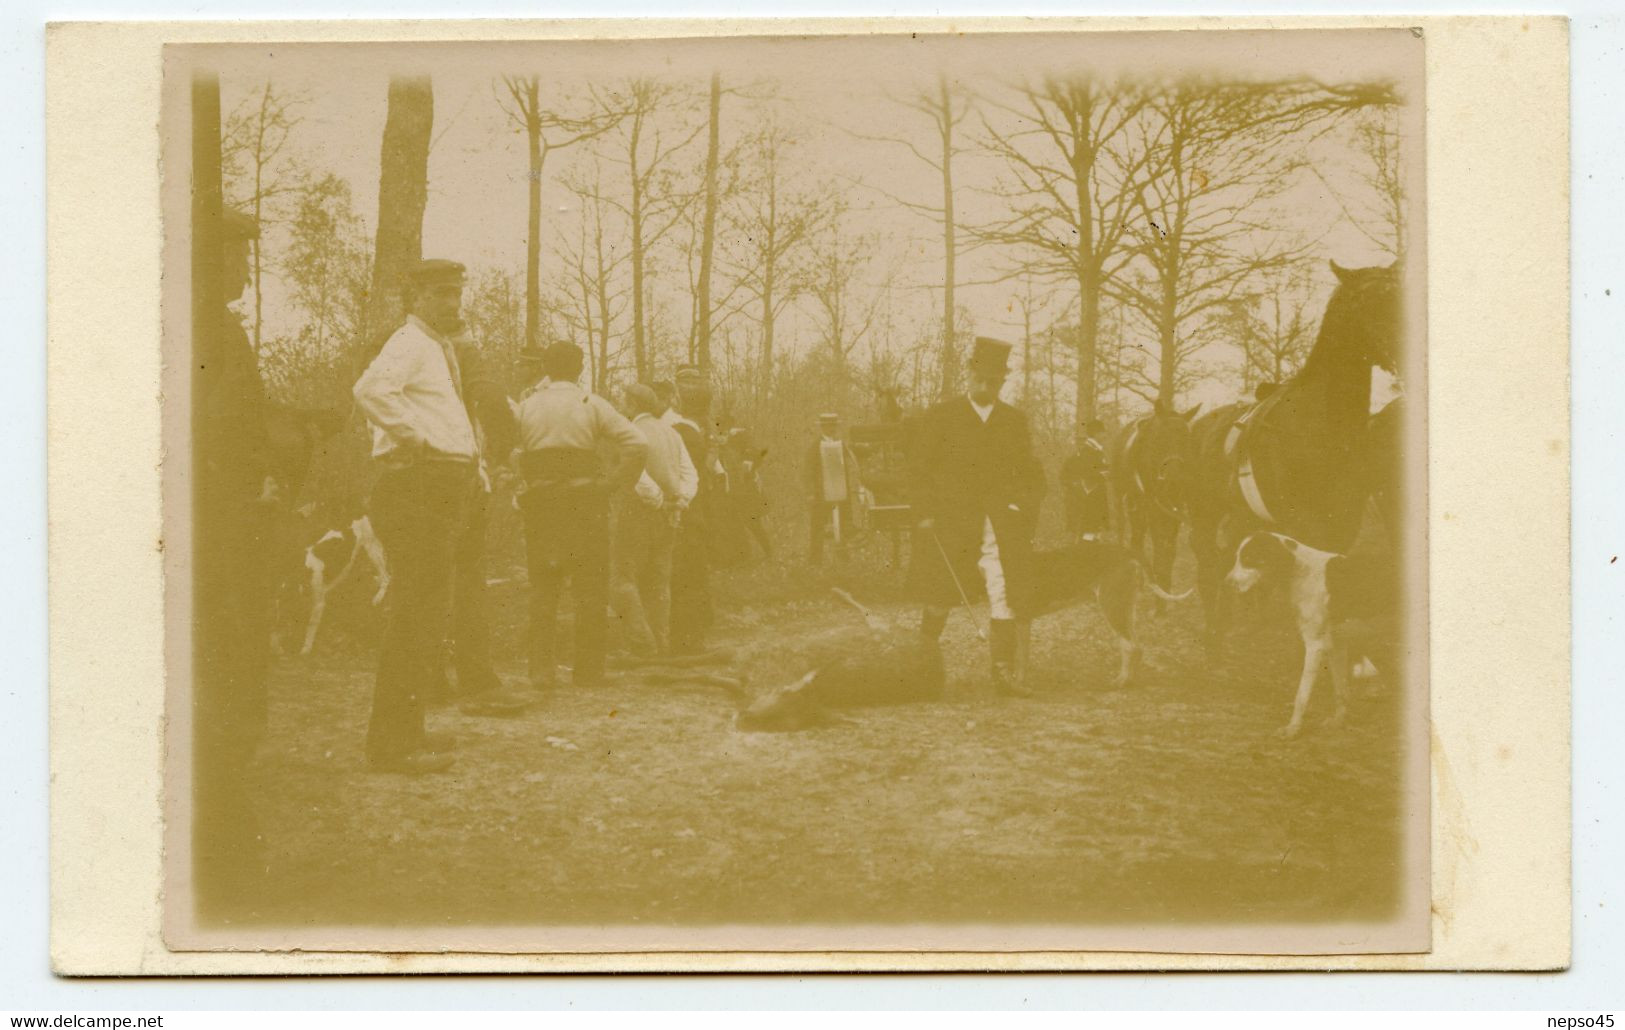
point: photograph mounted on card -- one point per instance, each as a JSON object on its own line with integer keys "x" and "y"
{"x": 900, "y": 492}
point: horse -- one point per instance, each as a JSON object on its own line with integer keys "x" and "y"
{"x": 1295, "y": 462}
{"x": 1149, "y": 463}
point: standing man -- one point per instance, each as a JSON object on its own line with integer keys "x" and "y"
{"x": 1083, "y": 485}
{"x": 646, "y": 521}
{"x": 691, "y": 611}
{"x": 977, "y": 488}
{"x": 566, "y": 508}
{"x": 232, "y": 600}
{"x": 831, "y": 475}
{"x": 412, "y": 394}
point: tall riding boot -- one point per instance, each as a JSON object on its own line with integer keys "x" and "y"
{"x": 932, "y": 622}
{"x": 1001, "y": 640}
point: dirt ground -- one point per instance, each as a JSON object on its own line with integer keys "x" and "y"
{"x": 1169, "y": 800}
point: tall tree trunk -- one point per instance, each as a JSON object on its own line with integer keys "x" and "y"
{"x": 1088, "y": 337}
{"x": 403, "y": 192}
{"x": 950, "y": 346}
{"x": 533, "y": 231}
{"x": 640, "y": 356}
{"x": 1088, "y": 262}
{"x": 259, "y": 202}
{"x": 1168, "y": 340}
{"x": 708, "y": 228}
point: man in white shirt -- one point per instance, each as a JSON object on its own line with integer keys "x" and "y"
{"x": 646, "y": 519}
{"x": 411, "y": 395}
{"x": 566, "y": 508}
{"x": 689, "y": 409}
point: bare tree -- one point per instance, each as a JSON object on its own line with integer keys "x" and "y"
{"x": 1221, "y": 153}
{"x": 256, "y": 171}
{"x": 1377, "y": 207}
{"x": 769, "y": 222}
{"x": 847, "y": 301}
{"x": 546, "y": 130}
{"x": 594, "y": 283}
{"x": 946, "y": 107}
{"x": 1274, "y": 326}
{"x": 708, "y": 228}
{"x": 655, "y": 201}
{"x": 403, "y": 192}
{"x": 1073, "y": 166}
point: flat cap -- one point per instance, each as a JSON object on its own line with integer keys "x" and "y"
{"x": 437, "y": 272}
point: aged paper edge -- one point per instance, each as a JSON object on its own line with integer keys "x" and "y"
{"x": 1500, "y": 743}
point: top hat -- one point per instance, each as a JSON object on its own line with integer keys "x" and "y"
{"x": 989, "y": 356}
{"x": 437, "y": 272}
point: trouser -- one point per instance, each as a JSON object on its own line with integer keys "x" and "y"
{"x": 232, "y": 606}
{"x": 567, "y": 538}
{"x": 820, "y": 520}
{"x": 690, "y": 590}
{"x": 471, "y": 625}
{"x": 420, "y": 514}
{"x": 641, "y": 574}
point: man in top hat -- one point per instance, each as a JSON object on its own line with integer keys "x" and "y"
{"x": 1083, "y": 484}
{"x": 423, "y": 438}
{"x": 830, "y": 473}
{"x": 691, "y": 610}
{"x": 566, "y": 507}
{"x": 976, "y": 490}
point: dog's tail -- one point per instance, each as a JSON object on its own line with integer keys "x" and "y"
{"x": 1145, "y": 577}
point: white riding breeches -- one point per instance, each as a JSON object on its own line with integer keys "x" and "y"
{"x": 998, "y": 605}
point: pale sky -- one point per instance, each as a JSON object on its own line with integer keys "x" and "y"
{"x": 831, "y": 92}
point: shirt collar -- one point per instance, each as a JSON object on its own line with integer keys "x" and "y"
{"x": 983, "y": 412}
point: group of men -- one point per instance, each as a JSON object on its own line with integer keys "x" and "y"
{"x": 442, "y": 431}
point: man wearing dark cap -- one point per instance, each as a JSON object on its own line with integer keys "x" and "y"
{"x": 412, "y": 395}
{"x": 977, "y": 486}
{"x": 566, "y": 508}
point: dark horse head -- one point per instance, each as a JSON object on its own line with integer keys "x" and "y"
{"x": 1361, "y": 329}
{"x": 1161, "y": 459}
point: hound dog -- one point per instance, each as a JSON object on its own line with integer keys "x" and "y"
{"x": 323, "y": 554}
{"x": 1331, "y": 594}
{"x": 1109, "y": 574}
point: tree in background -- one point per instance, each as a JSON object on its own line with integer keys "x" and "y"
{"x": 1220, "y": 155}
{"x": 590, "y": 285}
{"x": 1073, "y": 162}
{"x": 846, "y": 290}
{"x": 1275, "y": 325}
{"x": 769, "y": 223}
{"x": 654, "y": 200}
{"x": 947, "y": 107}
{"x": 546, "y": 130}
{"x": 257, "y": 170}
{"x": 403, "y": 192}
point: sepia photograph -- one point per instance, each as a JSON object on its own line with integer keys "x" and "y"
{"x": 894, "y": 492}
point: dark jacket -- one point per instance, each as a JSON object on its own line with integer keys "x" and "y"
{"x": 964, "y": 473}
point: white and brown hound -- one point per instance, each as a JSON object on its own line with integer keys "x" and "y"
{"x": 1328, "y": 592}
{"x": 326, "y": 554}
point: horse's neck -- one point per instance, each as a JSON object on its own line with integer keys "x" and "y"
{"x": 1340, "y": 375}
